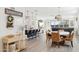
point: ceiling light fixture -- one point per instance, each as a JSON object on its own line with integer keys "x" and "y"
{"x": 58, "y": 17}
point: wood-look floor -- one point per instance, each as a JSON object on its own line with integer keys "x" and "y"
{"x": 39, "y": 45}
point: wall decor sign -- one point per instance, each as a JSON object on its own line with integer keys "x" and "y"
{"x": 10, "y": 21}
{"x": 13, "y": 12}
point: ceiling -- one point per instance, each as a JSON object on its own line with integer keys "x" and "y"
{"x": 53, "y": 11}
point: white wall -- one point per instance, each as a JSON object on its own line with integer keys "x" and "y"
{"x": 18, "y": 21}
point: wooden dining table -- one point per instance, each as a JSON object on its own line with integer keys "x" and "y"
{"x": 64, "y": 34}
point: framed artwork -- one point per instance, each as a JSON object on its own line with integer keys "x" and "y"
{"x": 10, "y": 21}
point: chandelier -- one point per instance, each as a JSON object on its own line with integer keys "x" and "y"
{"x": 58, "y": 17}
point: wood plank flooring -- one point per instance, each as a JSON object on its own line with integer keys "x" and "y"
{"x": 39, "y": 45}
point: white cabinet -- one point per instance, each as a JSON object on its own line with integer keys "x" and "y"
{"x": 63, "y": 24}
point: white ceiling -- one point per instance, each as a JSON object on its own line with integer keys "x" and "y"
{"x": 53, "y": 11}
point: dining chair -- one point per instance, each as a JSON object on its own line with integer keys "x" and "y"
{"x": 47, "y": 37}
{"x": 70, "y": 38}
{"x": 56, "y": 38}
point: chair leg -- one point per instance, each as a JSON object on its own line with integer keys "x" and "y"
{"x": 58, "y": 45}
{"x": 46, "y": 41}
{"x": 72, "y": 43}
{"x": 52, "y": 43}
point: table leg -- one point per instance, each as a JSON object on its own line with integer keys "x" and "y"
{"x": 7, "y": 47}
{"x": 63, "y": 44}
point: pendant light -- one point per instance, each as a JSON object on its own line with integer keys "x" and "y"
{"x": 58, "y": 17}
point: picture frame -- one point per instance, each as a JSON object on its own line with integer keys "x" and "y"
{"x": 10, "y": 22}
{"x": 13, "y": 12}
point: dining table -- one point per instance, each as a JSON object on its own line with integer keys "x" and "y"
{"x": 63, "y": 34}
